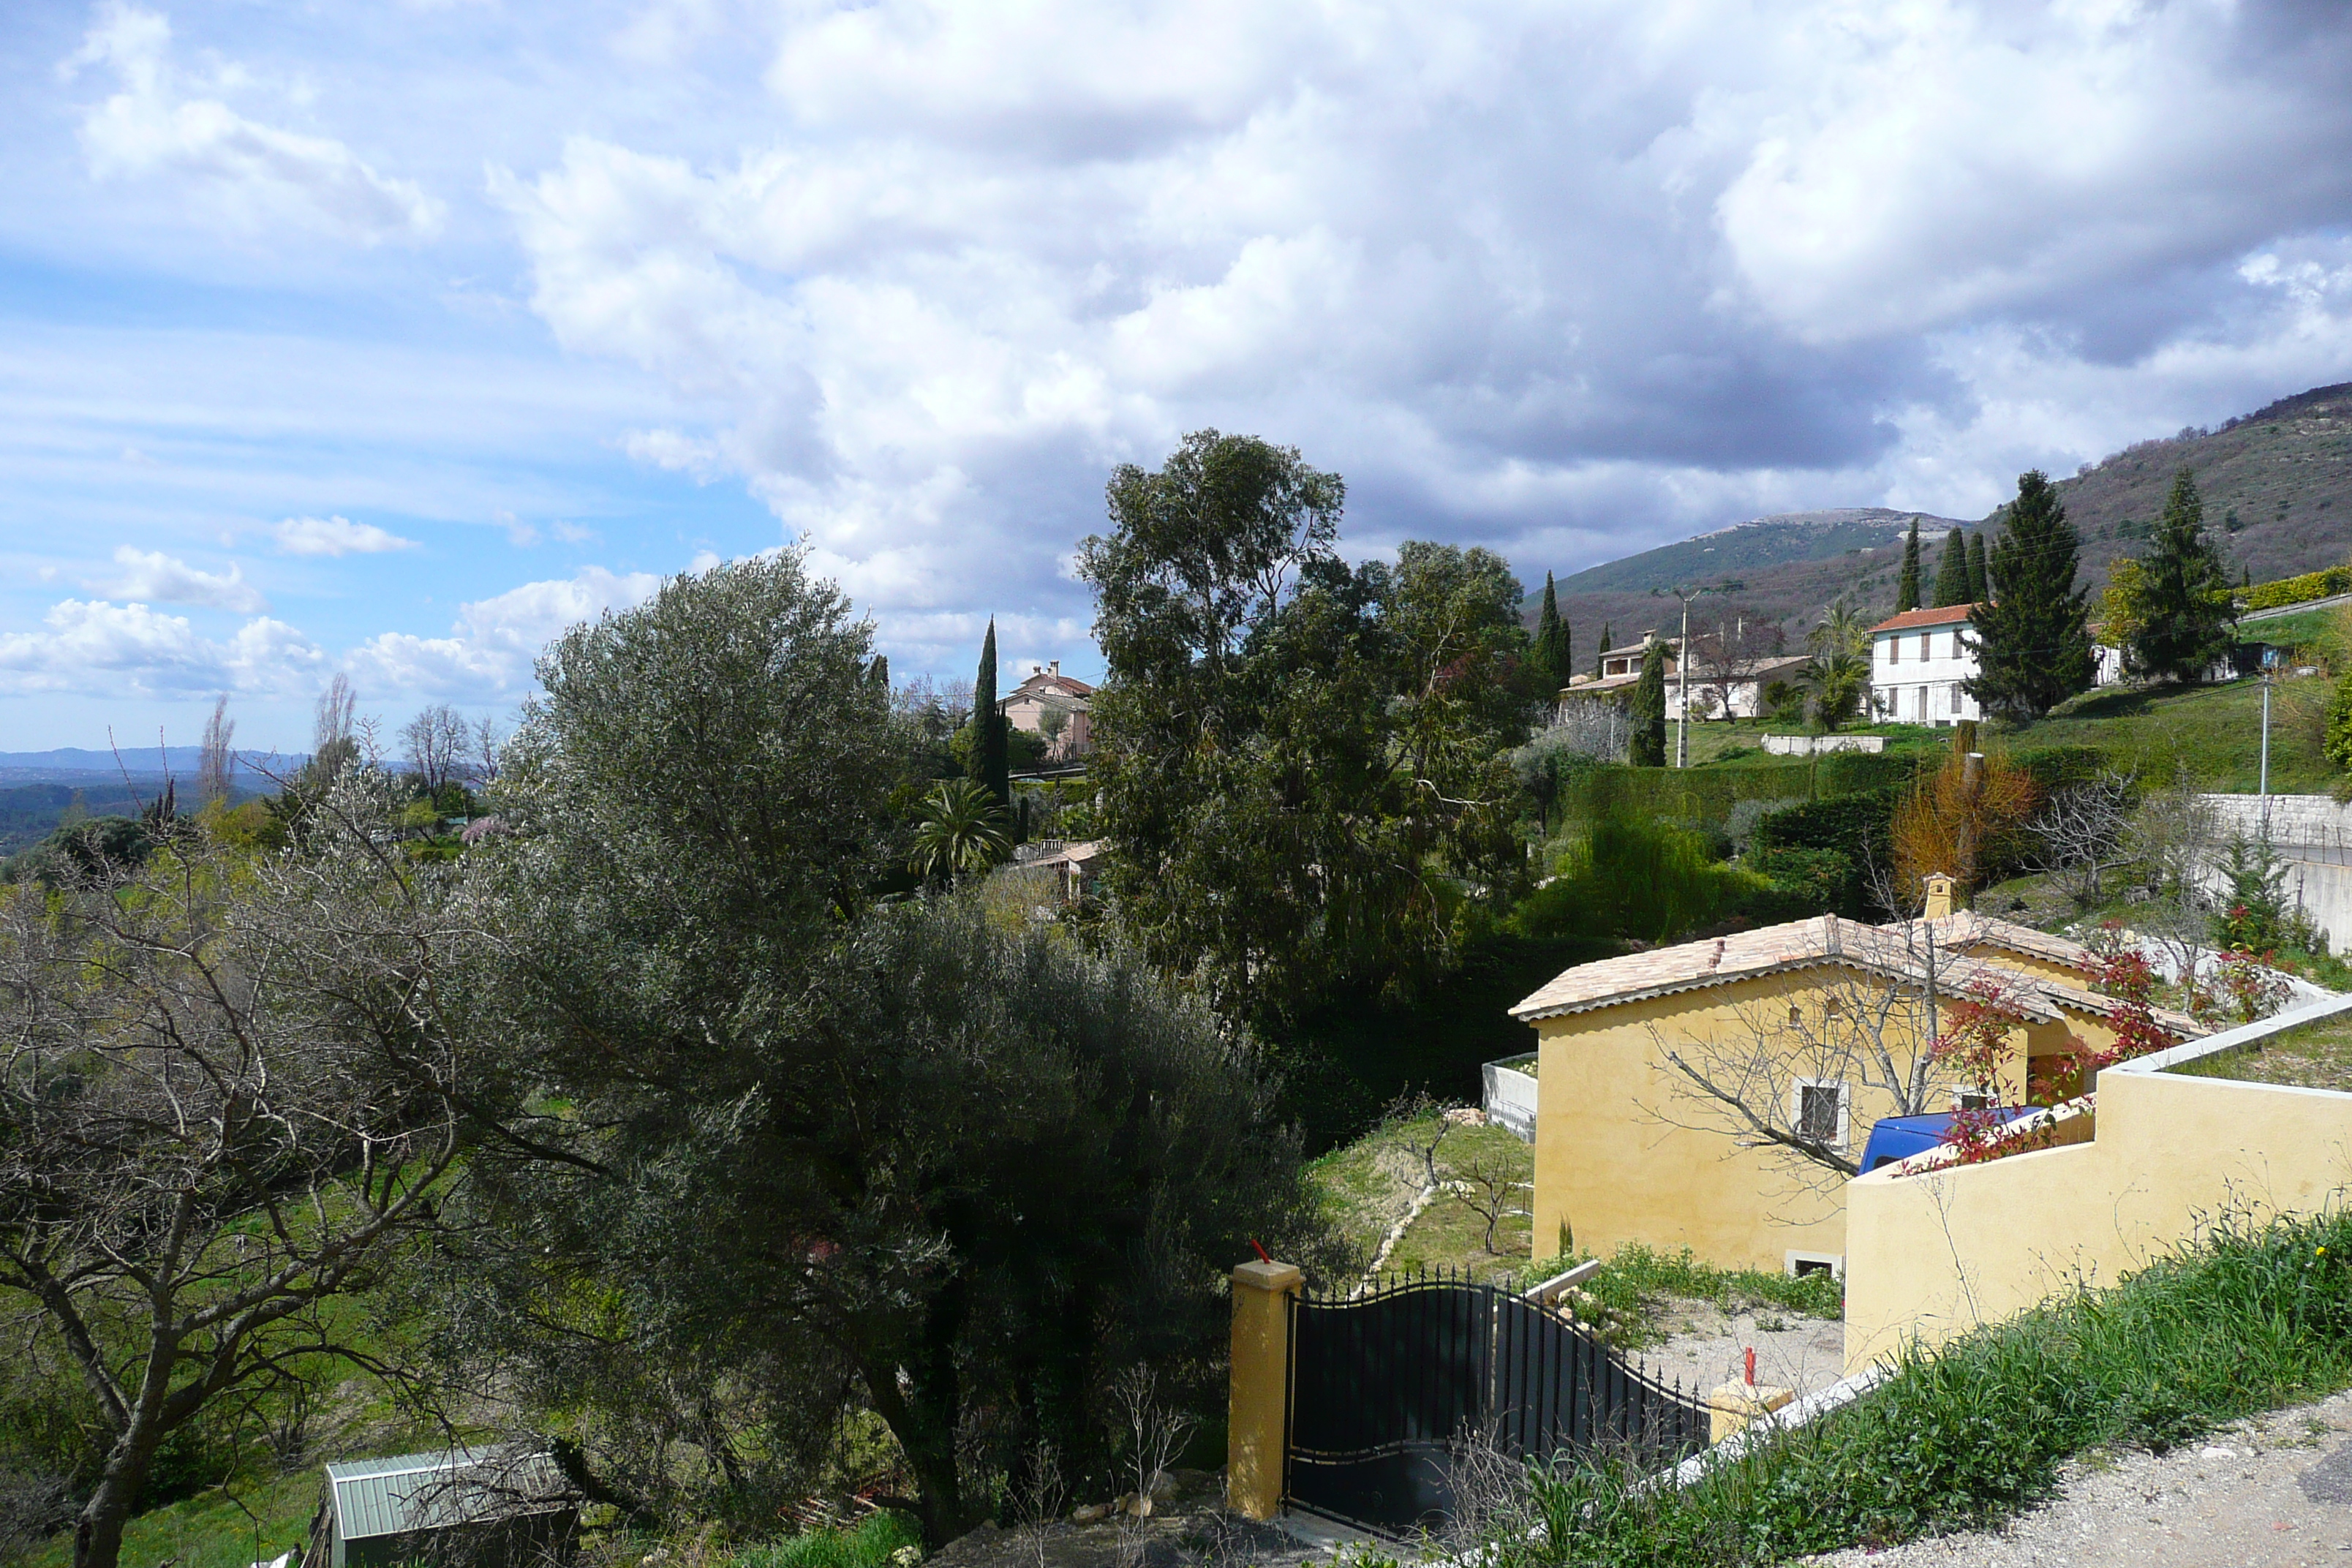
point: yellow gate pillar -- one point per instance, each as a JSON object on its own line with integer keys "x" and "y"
{"x": 1261, "y": 1387}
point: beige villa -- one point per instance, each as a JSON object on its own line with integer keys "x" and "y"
{"x": 1675, "y": 1082}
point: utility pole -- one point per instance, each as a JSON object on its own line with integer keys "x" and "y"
{"x": 1682, "y": 662}
{"x": 2270, "y": 656}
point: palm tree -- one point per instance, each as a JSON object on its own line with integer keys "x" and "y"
{"x": 963, "y": 829}
{"x": 1840, "y": 668}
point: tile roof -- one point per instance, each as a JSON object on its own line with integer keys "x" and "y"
{"x": 1911, "y": 620}
{"x": 1968, "y": 928}
{"x": 1890, "y": 950}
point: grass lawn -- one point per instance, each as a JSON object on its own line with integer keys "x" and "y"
{"x": 210, "y": 1530}
{"x": 2214, "y": 731}
{"x": 1368, "y": 1186}
{"x": 2318, "y": 1055}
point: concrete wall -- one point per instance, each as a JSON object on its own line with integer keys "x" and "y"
{"x": 1508, "y": 1097}
{"x": 1932, "y": 1254}
{"x": 1624, "y": 1153}
{"x": 2314, "y": 835}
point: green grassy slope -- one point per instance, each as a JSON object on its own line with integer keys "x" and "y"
{"x": 2215, "y": 731}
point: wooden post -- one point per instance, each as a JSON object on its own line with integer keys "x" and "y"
{"x": 1259, "y": 1409}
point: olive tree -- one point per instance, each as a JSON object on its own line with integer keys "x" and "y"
{"x": 231, "y": 1093}
{"x": 775, "y": 1152}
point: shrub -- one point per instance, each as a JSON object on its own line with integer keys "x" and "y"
{"x": 2299, "y": 590}
{"x": 1971, "y": 1433}
{"x": 1635, "y": 876}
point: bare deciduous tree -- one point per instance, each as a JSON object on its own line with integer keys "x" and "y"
{"x": 215, "y": 761}
{"x": 487, "y": 738}
{"x": 2173, "y": 837}
{"x": 2082, "y": 830}
{"x": 1783, "y": 1074}
{"x": 1488, "y": 1185}
{"x": 227, "y": 1098}
{"x": 1592, "y": 727}
{"x": 1150, "y": 1432}
{"x": 436, "y": 741}
{"x": 333, "y": 742}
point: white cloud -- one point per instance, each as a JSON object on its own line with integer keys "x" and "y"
{"x": 250, "y": 176}
{"x": 1565, "y": 279}
{"x": 109, "y": 650}
{"x": 335, "y": 536}
{"x": 494, "y": 642}
{"x": 152, "y": 574}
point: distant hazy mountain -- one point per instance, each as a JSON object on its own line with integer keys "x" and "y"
{"x": 2277, "y": 486}
{"x": 76, "y": 764}
{"x": 1789, "y": 565}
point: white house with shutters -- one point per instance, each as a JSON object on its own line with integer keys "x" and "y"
{"x": 1918, "y": 660}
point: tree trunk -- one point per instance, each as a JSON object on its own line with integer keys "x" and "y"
{"x": 98, "y": 1528}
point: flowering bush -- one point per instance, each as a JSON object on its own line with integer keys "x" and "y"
{"x": 2249, "y": 984}
{"x": 1975, "y": 1044}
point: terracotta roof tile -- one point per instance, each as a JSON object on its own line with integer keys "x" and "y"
{"x": 1891, "y": 949}
{"x": 1911, "y": 620}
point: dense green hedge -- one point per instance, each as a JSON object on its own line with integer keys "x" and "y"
{"x": 2295, "y": 590}
{"x": 1708, "y": 794}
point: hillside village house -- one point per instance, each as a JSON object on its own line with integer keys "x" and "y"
{"x": 1804, "y": 1022}
{"x": 1735, "y": 690}
{"x": 1047, "y": 689}
{"x": 1918, "y": 660}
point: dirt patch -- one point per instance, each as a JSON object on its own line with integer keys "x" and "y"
{"x": 2274, "y": 1492}
{"x": 1707, "y": 1346}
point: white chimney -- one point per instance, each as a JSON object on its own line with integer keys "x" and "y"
{"x": 1055, "y": 669}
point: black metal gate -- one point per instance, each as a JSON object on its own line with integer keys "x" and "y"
{"x": 1386, "y": 1387}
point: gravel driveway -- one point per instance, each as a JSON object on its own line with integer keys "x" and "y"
{"x": 2273, "y": 1492}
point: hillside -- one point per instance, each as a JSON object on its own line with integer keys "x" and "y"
{"x": 1790, "y": 565}
{"x": 2277, "y": 485}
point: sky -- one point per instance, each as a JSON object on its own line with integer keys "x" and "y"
{"x": 388, "y": 338}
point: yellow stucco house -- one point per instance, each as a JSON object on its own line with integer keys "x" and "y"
{"x": 1677, "y": 1084}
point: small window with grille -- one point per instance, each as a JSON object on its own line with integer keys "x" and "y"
{"x": 1820, "y": 1113}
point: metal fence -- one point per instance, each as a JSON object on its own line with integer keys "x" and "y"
{"x": 1390, "y": 1388}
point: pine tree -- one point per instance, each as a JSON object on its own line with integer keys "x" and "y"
{"x": 1979, "y": 581}
{"x": 1551, "y": 654}
{"x": 2184, "y": 595}
{"x": 1906, "y": 586}
{"x": 1604, "y": 649}
{"x": 991, "y": 747}
{"x": 1952, "y": 572}
{"x": 2033, "y": 642}
{"x": 1647, "y": 748}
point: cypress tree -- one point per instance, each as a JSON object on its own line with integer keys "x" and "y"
{"x": 1906, "y": 586}
{"x": 1604, "y": 649}
{"x": 1952, "y": 572}
{"x": 991, "y": 761}
{"x": 2034, "y": 643}
{"x": 1647, "y": 748}
{"x": 1551, "y": 650}
{"x": 1979, "y": 582}
{"x": 2186, "y": 616}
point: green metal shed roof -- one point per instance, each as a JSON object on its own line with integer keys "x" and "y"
{"x": 426, "y": 1492}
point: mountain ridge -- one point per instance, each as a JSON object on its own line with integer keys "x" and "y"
{"x": 2276, "y": 483}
